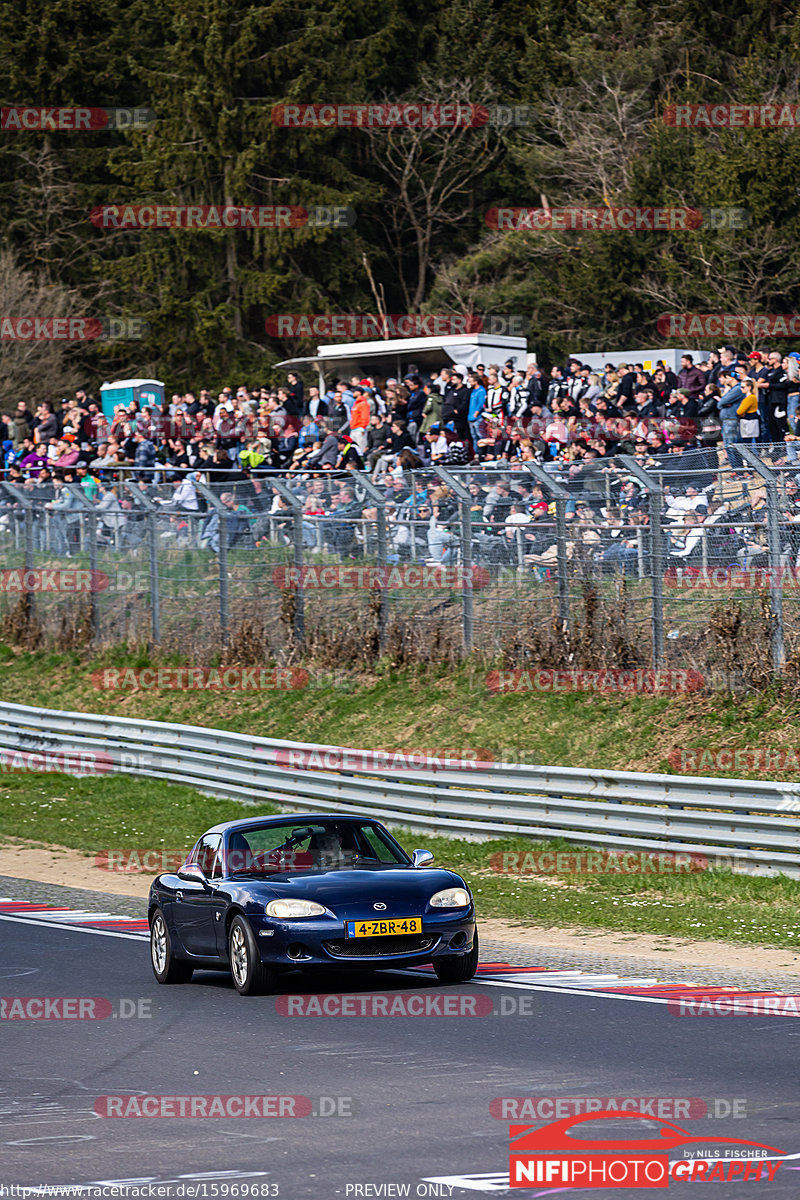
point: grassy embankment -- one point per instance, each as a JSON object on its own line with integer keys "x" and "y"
{"x": 425, "y": 709}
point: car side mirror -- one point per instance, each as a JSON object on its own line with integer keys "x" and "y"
{"x": 421, "y": 858}
{"x": 193, "y": 873}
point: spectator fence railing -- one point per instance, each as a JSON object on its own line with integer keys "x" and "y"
{"x": 533, "y": 550}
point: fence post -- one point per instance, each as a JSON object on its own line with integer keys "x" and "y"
{"x": 88, "y": 526}
{"x": 652, "y": 487}
{"x": 379, "y": 500}
{"x": 222, "y": 513}
{"x": 774, "y": 542}
{"x": 27, "y": 505}
{"x": 152, "y": 528}
{"x": 295, "y": 504}
{"x": 29, "y": 600}
{"x": 464, "y": 505}
{"x": 560, "y": 496}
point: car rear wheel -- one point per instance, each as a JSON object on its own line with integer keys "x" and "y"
{"x": 458, "y": 970}
{"x": 250, "y": 976}
{"x": 166, "y": 968}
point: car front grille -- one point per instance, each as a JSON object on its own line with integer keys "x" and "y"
{"x": 380, "y": 947}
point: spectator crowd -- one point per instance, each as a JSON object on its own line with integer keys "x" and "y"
{"x": 491, "y": 418}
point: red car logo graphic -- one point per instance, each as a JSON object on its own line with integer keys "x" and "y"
{"x": 556, "y": 1138}
{"x": 554, "y": 1156}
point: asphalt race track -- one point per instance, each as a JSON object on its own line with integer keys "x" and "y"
{"x": 417, "y": 1089}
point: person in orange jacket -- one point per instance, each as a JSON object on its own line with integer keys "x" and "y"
{"x": 360, "y": 414}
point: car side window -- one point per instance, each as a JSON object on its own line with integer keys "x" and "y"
{"x": 208, "y": 855}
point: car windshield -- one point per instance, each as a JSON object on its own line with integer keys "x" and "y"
{"x": 293, "y": 846}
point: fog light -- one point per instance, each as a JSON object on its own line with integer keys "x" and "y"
{"x": 458, "y": 939}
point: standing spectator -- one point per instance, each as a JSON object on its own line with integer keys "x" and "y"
{"x": 691, "y": 377}
{"x": 477, "y": 403}
{"x": 455, "y": 403}
{"x": 360, "y": 415}
{"x": 315, "y": 406}
{"x": 417, "y": 400}
{"x": 22, "y": 425}
{"x": 145, "y": 453}
{"x": 295, "y": 394}
{"x": 728, "y": 404}
{"x": 496, "y": 397}
{"x": 791, "y": 365}
{"x": 777, "y": 393}
{"x": 432, "y": 412}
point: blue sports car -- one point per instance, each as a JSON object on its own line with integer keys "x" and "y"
{"x": 271, "y": 894}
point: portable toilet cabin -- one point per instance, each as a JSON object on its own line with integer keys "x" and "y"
{"x": 122, "y": 391}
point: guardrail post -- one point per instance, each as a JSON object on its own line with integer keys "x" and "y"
{"x": 652, "y": 487}
{"x": 560, "y": 496}
{"x": 464, "y": 511}
{"x": 299, "y": 618}
{"x": 774, "y": 543}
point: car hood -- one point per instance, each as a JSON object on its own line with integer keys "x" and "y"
{"x": 341, "y": 887}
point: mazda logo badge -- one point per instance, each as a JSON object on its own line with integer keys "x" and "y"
{"x": 379, "y": 907}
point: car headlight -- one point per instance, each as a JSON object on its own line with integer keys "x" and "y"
{"x": 294, "y": 908}
{"x": 451, "y": 898}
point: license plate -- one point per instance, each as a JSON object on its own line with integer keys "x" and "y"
{"x": 356, "y": 929}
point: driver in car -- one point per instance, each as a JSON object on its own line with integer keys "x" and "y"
{"x": 327, "y": 849}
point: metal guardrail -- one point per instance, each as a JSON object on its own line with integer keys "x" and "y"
{"x": 756, "y": 824}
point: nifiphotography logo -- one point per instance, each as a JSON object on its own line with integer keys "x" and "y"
{"x": 561, "y": 1154}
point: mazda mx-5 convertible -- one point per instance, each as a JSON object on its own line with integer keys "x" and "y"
{"x": 271, "y": 894}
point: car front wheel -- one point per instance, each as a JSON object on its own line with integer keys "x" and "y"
{"x": 250, "y": 976}
{"x": 166, "y": 968}
{"x": 458, "y": 970}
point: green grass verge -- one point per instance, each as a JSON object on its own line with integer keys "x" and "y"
{"x": 115, "y": 812}
{"x": 436, "y": 707}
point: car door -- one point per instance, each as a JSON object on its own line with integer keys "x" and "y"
{"x": 197, "y": 909}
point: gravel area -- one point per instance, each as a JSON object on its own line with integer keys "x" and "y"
{"x": 67, "y": 897}
{"x": 630, "y": 966}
